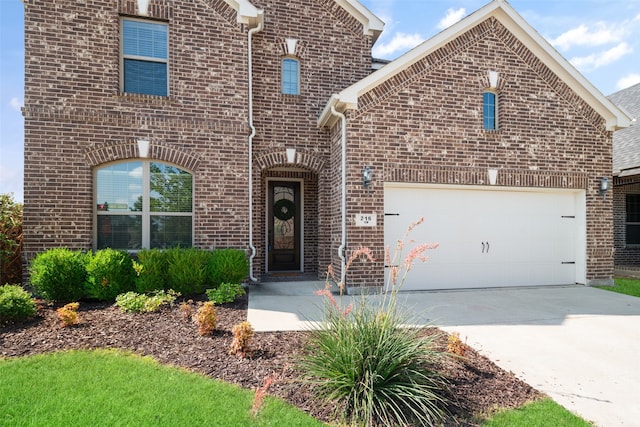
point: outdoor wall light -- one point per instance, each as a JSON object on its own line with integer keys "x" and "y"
{"x": 604, "y": 187}
{"x": 367, "y": 176}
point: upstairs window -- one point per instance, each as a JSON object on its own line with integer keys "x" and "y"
{"x": 632, "y": 225}
{"x": 290, "y": 76}
{"x": 145, "y": 52}
{"x": 489, "y": 111}
{"x": 143, "y": 204}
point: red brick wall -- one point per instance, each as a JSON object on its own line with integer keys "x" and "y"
{"x": 425, "y": 125}
{"x": 76, "y": 118}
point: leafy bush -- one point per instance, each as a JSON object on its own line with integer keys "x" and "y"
{"x": 132, "y": 302}
{"x": 59, "y": 274}
{"x": 186, "y": 270}
{"x": 109, "y": 273}
{"x": 16, "y": 304}
{"x": 226, "y": 292}
{"x": 206, "y": 318}
{"x": 10, "y": 240}
{"x": 227, "y": 266}
{"x": 379, "y": 372}
{"x": 153, "y": 273}
{"x": 69, "y": 314}
{"x": 242, "y": 335}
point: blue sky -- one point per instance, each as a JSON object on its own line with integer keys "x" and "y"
{"x": 601, "y": 38}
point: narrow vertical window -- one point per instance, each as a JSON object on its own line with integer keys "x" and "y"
{"x": 489, "y": 111}
{"x": 145, "y": 55}
{"x": 632, "y": 223}
{"x": 290, "y": 76}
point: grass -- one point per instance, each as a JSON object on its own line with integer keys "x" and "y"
{"x": 109, "y": 387}
{"x": 541, "y": 413}
{"x": 624, "y": 286}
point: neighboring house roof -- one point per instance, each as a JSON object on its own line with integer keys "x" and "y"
{"x": 626, "y": 142}
{"x": 505, "y": 14}
{"x": 371, "y": 24}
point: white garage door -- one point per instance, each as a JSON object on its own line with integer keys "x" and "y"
{"x": 488, "y": 238}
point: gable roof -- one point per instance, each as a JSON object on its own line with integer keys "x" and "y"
{"x": 372, "y": 25}
{"x": 626, "y": 142}
{"x": 507, "y": 16}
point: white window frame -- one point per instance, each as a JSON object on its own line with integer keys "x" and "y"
{"x": 143, "y": 58}
{"x": 146, "y": 212}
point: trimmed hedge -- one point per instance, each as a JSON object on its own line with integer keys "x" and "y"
{"x": 59, "y": 275}
{"x": 16, "y": 304}
{"x": 63, "y": 275}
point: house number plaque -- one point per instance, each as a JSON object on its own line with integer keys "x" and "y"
{"x": 366, "y": 220}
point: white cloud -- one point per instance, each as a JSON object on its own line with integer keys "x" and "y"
{"x": 15, "y": 104}
{"x": 600, "y": 59}
{"x": 400, "y": 42}
{"x": 628, "y": 80}
{"x": 451, "y": 18}
{"x": 586, "y": 36}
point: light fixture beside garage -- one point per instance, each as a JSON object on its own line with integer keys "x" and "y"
{"x": 604, "y": 187}
{"x": 367, "y": 177}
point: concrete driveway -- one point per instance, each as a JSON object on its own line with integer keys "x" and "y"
{"x": 579, "y": 345}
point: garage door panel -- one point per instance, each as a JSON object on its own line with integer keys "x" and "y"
{"x": 487, "y": 238}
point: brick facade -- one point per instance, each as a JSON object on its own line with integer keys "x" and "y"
{"x": 424, "y": 125}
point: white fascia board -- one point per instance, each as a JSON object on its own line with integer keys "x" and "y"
{"x": 501, "y": 10}
{"x": 246, "y": 12}
{"x": 372, "y": 25}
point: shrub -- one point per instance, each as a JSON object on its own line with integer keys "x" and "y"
{"x": 69, "y": 314}
{"x": 10, "y": 240}
{"x": 206, "y": 318}
{"x": 186, "y": 270}
{"x": 227, "y": 266}
{"x": 153, "y": 271}
{"x": 226, "y": 292}
{"x": 109, "y": 273}
{"x": 379, "y": 372}
{"x": 186, "y": 309}
{"x": 132, "y": 302}
{"x": 242, "y": 335}
{"x": 455, "y": 345}
{"x": 59, "y": 275}
{"x": 16, "y": 304}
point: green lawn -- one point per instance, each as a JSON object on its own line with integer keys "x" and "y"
{"x": 108, "y": 388}
{"x": 543, "y": 413}
{"x": 625, "y": 286}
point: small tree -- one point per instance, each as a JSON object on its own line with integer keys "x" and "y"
{"x": 10, "y": 240}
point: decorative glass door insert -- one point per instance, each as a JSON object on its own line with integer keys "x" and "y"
{"x": 284, "y": 226}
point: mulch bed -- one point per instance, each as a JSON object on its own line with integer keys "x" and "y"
{"x": 477, "y": 385}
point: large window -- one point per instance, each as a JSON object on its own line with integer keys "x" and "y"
{"x": 632, "y": 233}
{"x": 290, "y": 76}
{"x": 143, "y": 204}
{"x": 489, "y": 110}
{"x": 145, "y": 47}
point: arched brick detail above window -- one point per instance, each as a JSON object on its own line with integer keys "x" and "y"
{"x": 129, "y": 149}
{"x": 303, "y": 159}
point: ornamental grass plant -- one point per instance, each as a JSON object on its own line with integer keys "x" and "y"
{"x": 362, "y": 359}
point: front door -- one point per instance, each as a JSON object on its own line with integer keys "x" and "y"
{"x": 284, "y": 226}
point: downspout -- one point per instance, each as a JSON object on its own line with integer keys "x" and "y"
{"x": 250, "y": 34}
{"x": 343, "y": 241}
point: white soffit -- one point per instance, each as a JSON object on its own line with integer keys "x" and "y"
{"x": 504, "y": 13}
{"x": 247, "y": 13}
{"x": 372, "y": 25}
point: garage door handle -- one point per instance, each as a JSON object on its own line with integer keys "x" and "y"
{"x": 482, "y": 247}
{"x": 487, "y": 247}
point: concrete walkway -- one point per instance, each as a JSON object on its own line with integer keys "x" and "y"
{"x": 579, "y": 345}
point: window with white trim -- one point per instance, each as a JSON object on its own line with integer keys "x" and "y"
{"x": 490, "y": 110}
{"x": 145, "y": 53}
{"x": 290, "y": 76}
{"x": 143, "y": 204}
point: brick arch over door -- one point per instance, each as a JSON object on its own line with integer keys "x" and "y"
{"x": 129, "y": 150}
{"x": 303, "y": 159}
